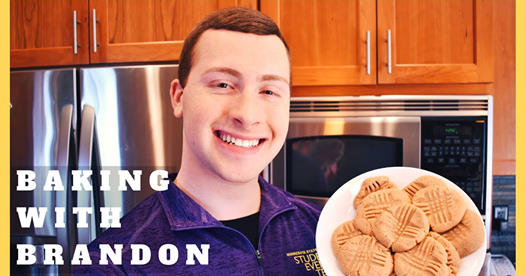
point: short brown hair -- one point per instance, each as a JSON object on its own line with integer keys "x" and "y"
{"x": 236, "y": 19}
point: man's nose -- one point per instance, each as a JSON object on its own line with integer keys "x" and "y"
{"x": 245, "y": 110}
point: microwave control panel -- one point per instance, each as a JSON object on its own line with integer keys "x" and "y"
{"x": 455, "y": 148}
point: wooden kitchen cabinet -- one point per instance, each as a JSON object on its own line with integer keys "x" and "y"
{"x": 432, "y": 41}
{"x": 327, "y": 39}
{"x": 504, "y": 106}
{"x": 148, "y": 30}
{"x": 435, "y": 41}
{"x": 108, "y": 31}
{"x": 42, "y": 32}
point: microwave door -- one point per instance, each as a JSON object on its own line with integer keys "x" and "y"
{"x": 365, "y": 143}
{"x": 351, "y": 131}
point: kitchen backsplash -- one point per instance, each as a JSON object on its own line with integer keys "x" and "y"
{"x": 503, "y": 239}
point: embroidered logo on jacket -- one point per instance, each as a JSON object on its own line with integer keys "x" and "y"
{"x": 307, "y": 258}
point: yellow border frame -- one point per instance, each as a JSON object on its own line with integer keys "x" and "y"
{"x": 4, "y": 124}
{"x": 521, "y": 131}
{"x": 4, "y": 140}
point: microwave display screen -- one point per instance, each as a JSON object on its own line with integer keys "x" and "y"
{"x": 452, "y": 130}
{"x": 320, "y": 165}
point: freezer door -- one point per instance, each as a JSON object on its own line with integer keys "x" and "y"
{"x": 133, "y": 129}
{"x": 43, "y": 107}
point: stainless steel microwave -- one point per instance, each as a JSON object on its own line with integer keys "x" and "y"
{"x": 333, "y": 139}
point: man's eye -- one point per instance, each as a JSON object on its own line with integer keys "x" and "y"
{"x": 268, "y": 92}
{"x": 222, "y": 85}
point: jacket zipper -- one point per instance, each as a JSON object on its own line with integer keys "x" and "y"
{"x": 258, "y": 255}
{"x": 260, "y": 261}
{"x": 257, "y": 252}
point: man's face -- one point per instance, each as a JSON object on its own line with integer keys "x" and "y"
{"x": 235, "y": 105}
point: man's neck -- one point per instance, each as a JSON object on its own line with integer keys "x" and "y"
{"x": 222, "y": 199}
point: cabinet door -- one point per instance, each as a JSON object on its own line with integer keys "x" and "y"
{"x": 327, "y": 39}
{"x": 42, "y": 32}
{"x": 147, "y": 30}
{"x": 435, "y": 41}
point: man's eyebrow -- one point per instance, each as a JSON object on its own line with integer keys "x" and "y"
{"x": 237, "y": 74}
{"x": 225, "y": 70}
{"x": 274, "y": 77}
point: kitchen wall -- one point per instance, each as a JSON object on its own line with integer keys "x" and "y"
{"x": 503, "y": 240}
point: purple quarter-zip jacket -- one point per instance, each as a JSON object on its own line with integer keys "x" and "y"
{"x": 286, "y": 238}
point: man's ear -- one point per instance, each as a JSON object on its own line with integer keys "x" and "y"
{"x": 176, "y": 96}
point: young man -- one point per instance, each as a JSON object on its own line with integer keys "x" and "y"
{"x": 233, "y": 94}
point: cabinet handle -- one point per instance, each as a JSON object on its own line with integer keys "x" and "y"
{"x": 389, "y": 51}
{"x": 75, "y": 23}
{"x": 368, "y": 52}
{"x": 95, "y": 31}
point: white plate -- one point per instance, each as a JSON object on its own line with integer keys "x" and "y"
{"x": 340, "y": 208}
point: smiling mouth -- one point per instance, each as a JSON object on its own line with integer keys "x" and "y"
{"x": 231, "y": 140}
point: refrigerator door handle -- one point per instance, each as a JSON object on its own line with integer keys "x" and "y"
{"x": 66, "y": 118}
{"x": 65, "y": 159}
{"x": 86, "y": 137}
{"x": 87, "y": 160}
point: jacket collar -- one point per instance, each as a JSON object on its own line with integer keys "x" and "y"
{"x": 184, "y": 213}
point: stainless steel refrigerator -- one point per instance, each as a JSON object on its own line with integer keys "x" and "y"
{"x": 111, "y": 118}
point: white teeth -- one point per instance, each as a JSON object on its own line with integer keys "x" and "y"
{"x": 239, "y": 142}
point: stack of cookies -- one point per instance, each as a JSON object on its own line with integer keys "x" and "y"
{"x": 423, "y": 229}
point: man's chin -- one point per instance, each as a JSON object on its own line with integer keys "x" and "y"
{"x": 240, "y": 177}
